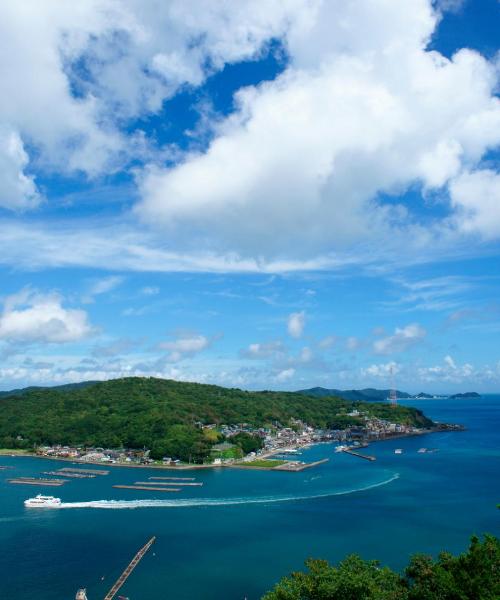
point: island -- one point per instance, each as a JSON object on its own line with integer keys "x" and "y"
{"x": 148, "y": 421}
{"x": 466, "y": 395}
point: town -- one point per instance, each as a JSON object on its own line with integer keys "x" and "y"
{"x": 267, "y": 442}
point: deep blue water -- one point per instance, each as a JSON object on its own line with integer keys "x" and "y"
{"x": 236, "y": 535}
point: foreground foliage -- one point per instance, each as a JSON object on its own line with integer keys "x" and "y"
{"x": 473, "y": 575}
{"x": 165, "y": 416}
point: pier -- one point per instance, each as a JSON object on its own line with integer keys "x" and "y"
{"x": 296, "y": 467}
{"x": 149, "y": 488}
{"x": 132, "y": 565}
{"x": 87, "y": 471}
{"x": 358, "y": 454}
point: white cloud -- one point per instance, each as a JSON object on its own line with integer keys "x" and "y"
{"x": 296, "y": 324}
{"x": 285, "y": 375}
{"x": 361, "y": 95}
{"x": 476, "y": 197}
{"x": 17, "y": 190}
{"x": 30, "y": 317}
{"x": 264, "y": 350}
{"x": 450, "y": 362}
{"x": 381, "y": 371}
{"x": 306, "y": 355}
{"x": 452, "y": 372}
{"x": 353, "y": 343}
{"x": 72, "y": 75}
{"x": 150, "y": 290}
{"x": 102, "y": 286}
{"x": 327, "y": 342}
{"x": 402, "y": 339}
{"x": 184, "y": 346}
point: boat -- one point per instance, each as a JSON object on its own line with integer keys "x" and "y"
{"x": 341, "y": 448}
{"x": 398, "y": 451}
{"x": 422, "y": 450}
{"x": 40, "y": 501}
{"x": 81, "y": 594}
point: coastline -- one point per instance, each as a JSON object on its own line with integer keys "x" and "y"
{"x": 248, "y": 466}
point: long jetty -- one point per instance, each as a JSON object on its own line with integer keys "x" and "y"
{"x": 358, "y": 454}
{"x": 149, "y": 488}
{"x": 132, "y": 565}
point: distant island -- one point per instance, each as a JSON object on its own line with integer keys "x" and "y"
{"x": 170, "y": 420}
{"x": 375, "y": 395}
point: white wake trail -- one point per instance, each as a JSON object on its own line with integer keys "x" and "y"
{"x": 191, "y": 502}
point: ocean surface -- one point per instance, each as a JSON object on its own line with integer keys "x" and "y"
{"x": 234, "y": 537}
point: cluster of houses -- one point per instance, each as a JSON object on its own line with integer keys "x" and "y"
{"x": 275, "y": 439}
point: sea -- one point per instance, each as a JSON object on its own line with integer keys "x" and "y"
{"x": 236, "y": 535}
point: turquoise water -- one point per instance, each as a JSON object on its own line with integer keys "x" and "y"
{"x": 241, "y": 531}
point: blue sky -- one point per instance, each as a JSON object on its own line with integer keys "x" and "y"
{"x": 257, "y": 194}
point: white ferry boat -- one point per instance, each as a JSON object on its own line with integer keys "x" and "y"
{"x": 40, "y": 501}
{"x": 398, "y": 451}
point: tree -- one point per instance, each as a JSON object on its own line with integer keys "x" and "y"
{"x": 473, "y": 575}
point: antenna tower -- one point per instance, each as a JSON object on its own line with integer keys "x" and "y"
{"x": 393, "y": 396}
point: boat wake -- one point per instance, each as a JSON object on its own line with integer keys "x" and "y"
{"x": 191, "y": 502}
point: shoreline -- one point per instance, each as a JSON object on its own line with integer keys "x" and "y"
{"x": 197, "y": 467}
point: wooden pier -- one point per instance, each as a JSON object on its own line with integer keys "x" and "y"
{"x": 149, "y": 488}
{"x": 132, "y": 565}
{"x": 365, "y": 456}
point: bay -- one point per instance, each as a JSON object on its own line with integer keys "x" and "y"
{"x": 242, "y": 530}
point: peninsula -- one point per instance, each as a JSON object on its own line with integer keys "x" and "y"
{"x": 147, "y": 420}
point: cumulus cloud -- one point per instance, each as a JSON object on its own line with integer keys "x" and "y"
{"x": 452, "y": 372}
{"x": 296, "y": 323}
{"x": 402, "y": 339}
{"x": 31, "y": 317}
{"x": 381, "y": 371}
{"x": 476, "y": 197}
{"x": 102, "y": 63}
{"x": 17, "y": 190}
{"x": 361, "y": 94}
{"x": 285, "y": 375}
{"x": 264, "y": 350}
{"x": 185, "y": 346}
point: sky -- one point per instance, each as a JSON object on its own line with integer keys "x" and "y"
{"x": 267, "y": 194}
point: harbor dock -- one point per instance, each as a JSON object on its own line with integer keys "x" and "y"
{"x": 296, "y": 467}
{"x": 365, "y": 456}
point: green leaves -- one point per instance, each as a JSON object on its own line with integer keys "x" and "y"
{"x": 474, "y": 575}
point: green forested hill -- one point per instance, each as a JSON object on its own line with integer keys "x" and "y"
{"x": 161, "y": 414}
